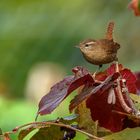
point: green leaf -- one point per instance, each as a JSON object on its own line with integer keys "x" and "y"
{"x": 0, "y": 131}
{"x": 69, "y": 119}
{"x": 54, "y": 132}
{"x": 49, "y": 133}
{"x": 136, "y": 99}
{"x": 23, "y": 133}
{"x": 85, "y": 121}
{"x": 139, "y": 4}
{"x": 127, "y": 134}
{"x": 47, "y": 130}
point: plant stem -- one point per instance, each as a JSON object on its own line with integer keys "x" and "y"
{"x": 136, "y": 112}
{"x": 119, "y": 93}
{"x": 45, "y": 124}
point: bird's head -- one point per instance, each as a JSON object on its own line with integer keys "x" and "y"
{"x": 87, "y": 45}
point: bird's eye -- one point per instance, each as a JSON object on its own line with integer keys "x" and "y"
{"x": 86, "y": 45}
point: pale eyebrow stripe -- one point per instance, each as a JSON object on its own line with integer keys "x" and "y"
{"x": 90, "y": 43}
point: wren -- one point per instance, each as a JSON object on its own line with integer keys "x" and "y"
{"x": 100, "y": 51}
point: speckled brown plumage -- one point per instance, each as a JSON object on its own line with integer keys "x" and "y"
{"x": 100, "y": 51}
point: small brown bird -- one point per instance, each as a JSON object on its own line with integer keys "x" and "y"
{"x": 100, "y": 51}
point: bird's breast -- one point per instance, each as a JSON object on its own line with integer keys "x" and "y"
{"x": 100, "y": 57}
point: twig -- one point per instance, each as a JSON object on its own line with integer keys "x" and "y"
{"x": 126, "y": 114}
{"x": 119, "y": 93}
{"x": 56, "y": 124}
{"x": 135, "y": 110}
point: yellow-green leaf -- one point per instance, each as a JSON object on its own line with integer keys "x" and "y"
{"x": 127, "y": 134}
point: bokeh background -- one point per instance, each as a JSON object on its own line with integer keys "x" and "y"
{"x": 37, "y": 40}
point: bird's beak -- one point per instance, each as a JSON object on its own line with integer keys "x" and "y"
{"x": 77, "y": 46}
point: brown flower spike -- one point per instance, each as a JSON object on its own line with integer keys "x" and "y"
{"x": 100, "y": 51}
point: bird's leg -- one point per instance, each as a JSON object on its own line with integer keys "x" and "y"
{"x": 117, "y": 65}
{"x": 100, "y": 66}
{"x": 98, "y": 69}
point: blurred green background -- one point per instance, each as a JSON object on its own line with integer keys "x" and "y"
{"x": 46, "y": 31}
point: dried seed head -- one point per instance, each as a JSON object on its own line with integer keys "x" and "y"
{"x": 111, "y": 97}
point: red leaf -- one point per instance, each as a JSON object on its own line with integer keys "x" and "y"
{"x": 131, "y": 122}
{"x": 101, "y": 76}
{"x": 135, "y": 6}
{"x": 90, "y": 90}
{"x": 62, "y": 89}
{"x": 126, "y": 74}
{"x": 112, "y": 69}
{"x": 98, "y": 104}
{"x": 102, "y": 111}
{"x": 130, "y": 80}
{"x": 137, "y": 74}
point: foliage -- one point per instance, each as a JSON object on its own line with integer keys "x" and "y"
{"x": 113, "y": 115}
{"x": 107, "y": 102}
{"x": 127, "y": 134}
